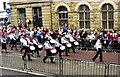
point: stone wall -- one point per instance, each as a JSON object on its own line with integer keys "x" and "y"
{"x": 50, "y": 13}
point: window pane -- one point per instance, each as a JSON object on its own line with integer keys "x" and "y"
{"x": 81, "y": 16}
{"x": 40, "y": 22}
{"x": 60, "y": 16}
{"x": 81, "y": 8}
{"x": 110, "y": 7}
{"x": 104, "y": 15}
{"x": 111, "y": 23}
{"x": 86, "y": 8}
{"x": 87, "y": 24}
{"x": 104, "y": 7}
{"x": 104, "y": 24}
{"x": 66, "y": 14}
{"x": 62, "y": 8}
{"x": 81, "y": 24}
{"x": 110, "y": 15}
{"x": 87, "y": 15}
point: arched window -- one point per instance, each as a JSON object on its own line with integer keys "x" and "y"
{"x": 107, "y": 16}
{"x": 84, "y": 16}
{"x": 63, "y": 15}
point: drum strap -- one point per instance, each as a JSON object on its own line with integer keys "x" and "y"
{"x": 27, "y": 41}
{"x": 49, "y": 44}
{"x": 36, "y": 41}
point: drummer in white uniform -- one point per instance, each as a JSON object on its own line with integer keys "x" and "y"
{"x": 65, "y": 42}
{"x": 48, "y": 49}
{"x": 26, "y": 45}
{"x": 73, "y": 42}
{"x": 35, "y": 44}
{"x": 59, "y": 47}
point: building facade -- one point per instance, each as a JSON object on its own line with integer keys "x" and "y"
{"x": 88, "y": 14}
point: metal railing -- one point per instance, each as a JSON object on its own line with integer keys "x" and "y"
{"x": 62, "y": 67}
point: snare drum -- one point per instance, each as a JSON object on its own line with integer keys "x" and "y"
{"x": 53, "y": 51}
{"x": 32, "y": 48}
{"x": 52, "y": 41}
{"x": 76, "y": 43}
{"x": 62, "y": 48}
{"x": 40, "y": 46}
{"x": 68, "y": 45}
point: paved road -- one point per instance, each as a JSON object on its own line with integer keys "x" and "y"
{"x": 109, "y": 57}
{"x": 9, "y": 73}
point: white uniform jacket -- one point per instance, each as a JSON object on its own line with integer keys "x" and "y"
{"x": 47, "y": 45}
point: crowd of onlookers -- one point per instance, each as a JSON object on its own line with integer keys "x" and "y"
{"x": 86, "y": 39}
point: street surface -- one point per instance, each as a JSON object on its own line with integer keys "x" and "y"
{"x": 13, "y": 59}
{"x": 109, "y": 57}
{"x": 9, "y": 73}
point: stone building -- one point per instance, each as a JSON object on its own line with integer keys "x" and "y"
{"x": 88, "y": 14}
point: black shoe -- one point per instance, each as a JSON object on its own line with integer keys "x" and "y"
{"x": 67, "y": 55}
{"x": 53, "y": 62}
{"x": 38, "y": 55}
{"x": 102, "y": 61}
{"x": 1, "y": 51}
{"x": 44, "y": 61}
{"x": 16, "y": 49}
{"x": 23, "y": 58}
{"x": 93, "y": 60}
{"x": 74, "y": 52}
{"x": 6, "y": 52}
{"x": 30, "y": 59}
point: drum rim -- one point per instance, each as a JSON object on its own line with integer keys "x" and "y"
{"x": 52, "y": 50}
{"x": 32, "y": 48}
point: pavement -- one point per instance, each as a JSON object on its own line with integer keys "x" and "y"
{"x": 11, "y": 73}
{"x": 108, "y": 57}
{"x": 80, "y": 62}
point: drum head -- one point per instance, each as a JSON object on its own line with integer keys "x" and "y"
{"x": 32, "y": 48}
{"x": 76, "y": 43}
{"x": 53, "y": 51}
{"x": 52, "y": 41}
{"x": 40, "y": 46}
{"x": 69, "y": 45}
{"x": 62, "y": 48}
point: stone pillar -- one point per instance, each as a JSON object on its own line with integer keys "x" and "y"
{"x": 29, "y": 16}
{"x": 46, "y": 16}
{"x": 14, "y": 16}
{"x": 73, "y": 20}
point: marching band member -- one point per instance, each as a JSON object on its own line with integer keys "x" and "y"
{"x": 64, "y": 42}
{"x": 48, "y": 49}
{"x": 3, "y": 41}
{"x": 58, "y": 47}
{"x": 72, "y": 40}
{"x": 21, "y": 41}
{"x": 98, "y": 47}
{"x": 35, "y": 44}
{"x": 13, "y": 40}
{"x": 26, "y": 45}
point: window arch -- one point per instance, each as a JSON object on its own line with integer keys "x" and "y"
{"x": 84, "y": 16}
{"x": 107, "y": 16}
{"x": 63, "y": 15}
